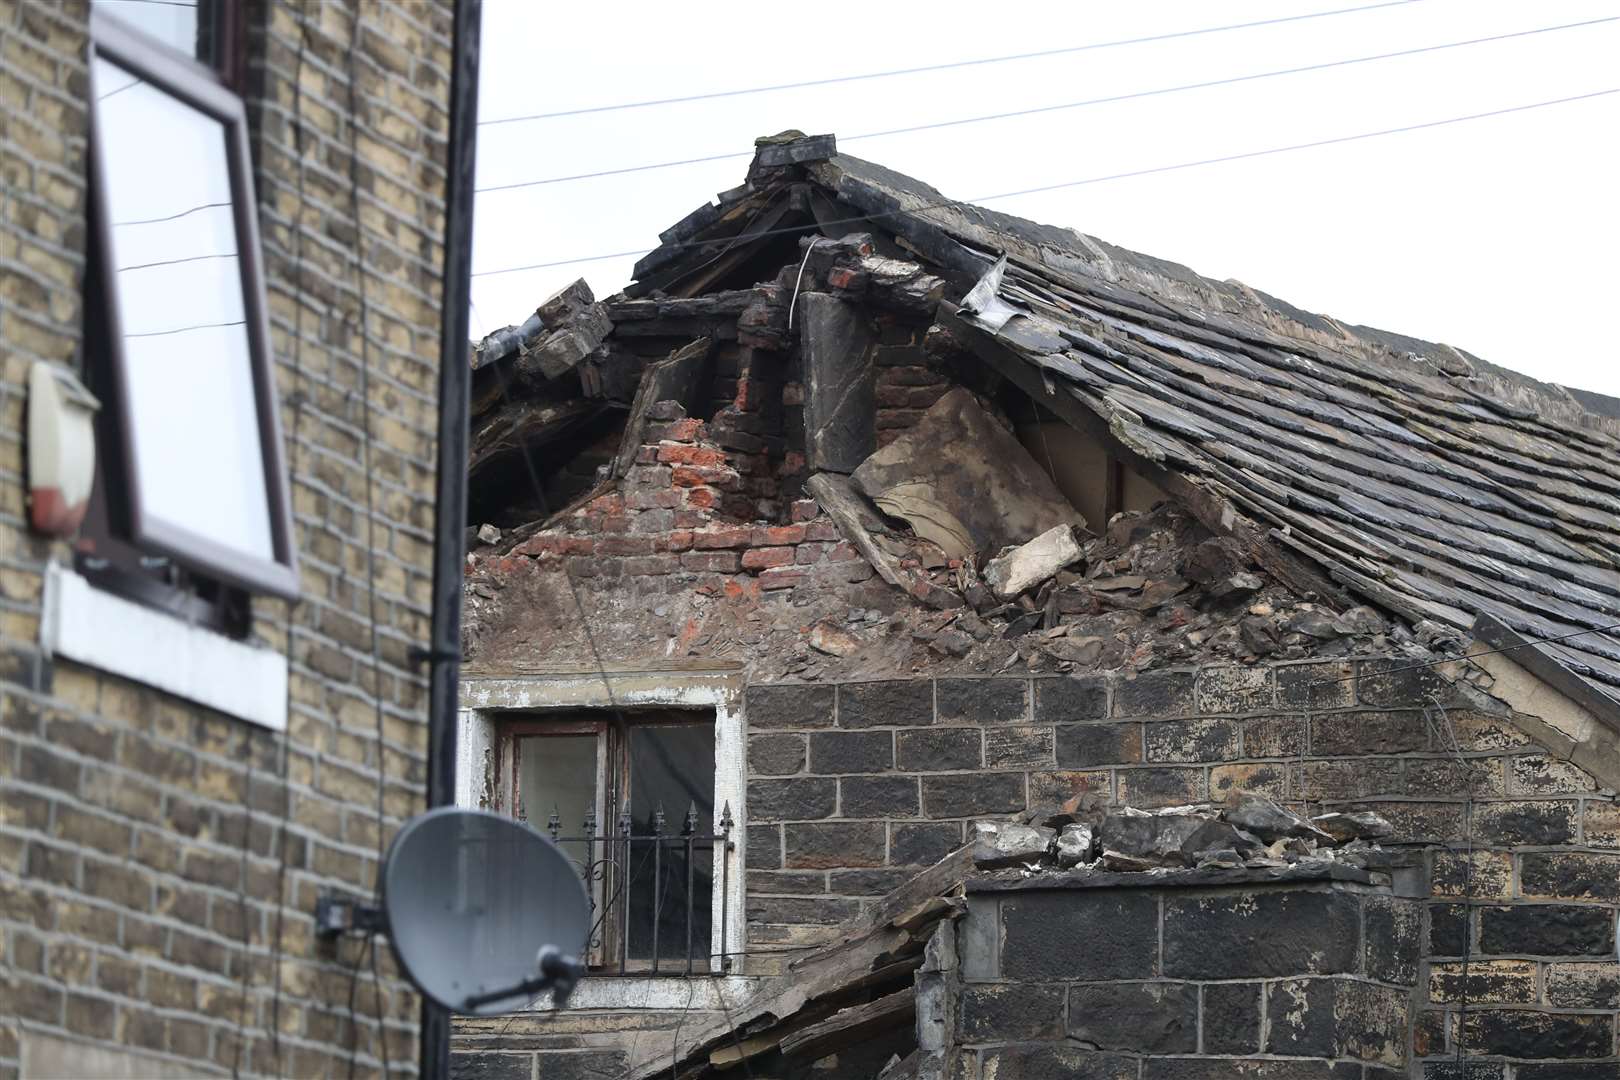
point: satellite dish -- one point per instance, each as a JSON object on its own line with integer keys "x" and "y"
{"x": 483, "y": 912}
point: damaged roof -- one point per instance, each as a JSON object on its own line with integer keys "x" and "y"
{"x": 1359, "y": 462}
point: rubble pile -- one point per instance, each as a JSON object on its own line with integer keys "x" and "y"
{"x": 667, "y": 451}
{"x": 1248, "y": 831}
{"x": 1154, "y": 589}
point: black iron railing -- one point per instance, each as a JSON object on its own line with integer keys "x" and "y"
{"x": 651, "y": 892}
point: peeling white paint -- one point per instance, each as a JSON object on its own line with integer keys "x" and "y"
{"x": 613, "y": 992}
{"x": 475, "y": 750}
{"x": 1527, "y": 693}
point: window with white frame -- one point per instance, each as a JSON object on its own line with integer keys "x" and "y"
{"x": 640, "y": 776}
{"x": 189, "y": 513}
{"x": 191, "y": 504}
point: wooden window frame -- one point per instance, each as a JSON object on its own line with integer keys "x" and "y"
{"x": 613, "y": 756}
{"x": 204, "y": 89}
{"x": 510, "y": 754}
{"x": 613, "y": 787}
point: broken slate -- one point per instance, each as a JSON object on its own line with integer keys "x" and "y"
{"x": 968, "y": 504}
{"x": 1359, "y": 825}
{"x": 1074, "y": 844}
{"x": 1236, "y": 586}
{"x": 1157, "y": 839}
{"x": 1027, "y": 566}
{"x": 1126, "y": 864}
{"x": 1000, "y": 844}
{"x": 1317, "y": 624}
{"x": 1267, "y": 820}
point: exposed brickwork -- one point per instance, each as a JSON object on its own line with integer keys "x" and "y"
{"x": 691, "y": 507}
{"x": 158, "y": 862}
{"x": 907, "y": 384}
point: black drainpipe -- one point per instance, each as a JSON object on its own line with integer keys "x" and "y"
{"x": 450, "y": 487}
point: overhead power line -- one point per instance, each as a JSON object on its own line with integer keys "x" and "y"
{"x": 1107, "y": 100}
{"x": 186, "y": 329}
{"x": 176, "y": 262}
{"x": 1173, "y": 35}
{"x": 1083, "y": 182}
{"x": 170, "y": 217}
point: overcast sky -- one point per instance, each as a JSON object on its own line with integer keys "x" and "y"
{"x": 1498, "y": 235}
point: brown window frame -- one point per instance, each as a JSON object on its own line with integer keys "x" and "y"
{"x": 612, "y": 732}
{"x": 127, "y": 521}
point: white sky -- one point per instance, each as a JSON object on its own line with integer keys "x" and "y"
{"x": 1497, "y": 236}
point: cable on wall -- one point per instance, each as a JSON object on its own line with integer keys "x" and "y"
{"x": 368, "y": 479}
{"x": 297, "y": 399}
{"x": 1466, "y": 656}
{"x": 247, "y": 757}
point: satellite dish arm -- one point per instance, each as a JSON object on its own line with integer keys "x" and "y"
{"x": 558, "y": 973}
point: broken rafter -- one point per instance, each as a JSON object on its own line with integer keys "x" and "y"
{"x": 875, "y": 955}
{"x": 813, "y": 1016}
{"x": 520, "y": 426}
{"x": 852, "y": 1026}
{"x": 691, "y": 267}
{"x": 856, "y": 521}
{"x": 677, "y": 378}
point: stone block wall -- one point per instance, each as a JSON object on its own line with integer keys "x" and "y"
{"x": 159, "y": 862}
{"x": 1280, "y": 980}
{"x": 854, "y": 787}
{"x": 571, "y": 1045}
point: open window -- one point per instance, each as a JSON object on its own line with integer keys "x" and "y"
{"x": 629, "y": 797}
{"x": 191, "y": 492}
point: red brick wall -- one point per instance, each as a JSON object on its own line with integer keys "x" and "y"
{"x": 689, "y": 505}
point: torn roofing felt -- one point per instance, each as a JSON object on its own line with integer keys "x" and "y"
{"x": 1411, "y": 474}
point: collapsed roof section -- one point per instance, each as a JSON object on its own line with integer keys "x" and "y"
{"x": 1350, "y": 463}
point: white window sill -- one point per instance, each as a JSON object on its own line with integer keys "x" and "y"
{"x": 704, "y": 993}
{"x": 115, "y": 635}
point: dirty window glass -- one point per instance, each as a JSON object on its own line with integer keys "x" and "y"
{"x": 653, "y": 894}
{"x": 671, "y": 769}
{"x": 557, "y": 774}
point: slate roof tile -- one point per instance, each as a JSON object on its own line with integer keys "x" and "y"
{"x": 1419, "y": 476}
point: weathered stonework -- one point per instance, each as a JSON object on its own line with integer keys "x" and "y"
{"x": 1248, "y": 978}
{"x": 894, "y": 700}
{"x": 159, "y": 862}
{"x": 853, "y": 787}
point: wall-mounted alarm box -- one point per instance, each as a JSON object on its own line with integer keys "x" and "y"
{"x": 61, "y": 449}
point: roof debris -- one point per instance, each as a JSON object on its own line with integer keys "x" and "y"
{"x": 1353, "y": 487}
{"x": 1249, "y": 831}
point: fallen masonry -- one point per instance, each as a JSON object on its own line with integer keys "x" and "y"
{"x": 1257, "y": 831}
{"x": 1085, "y": 667}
